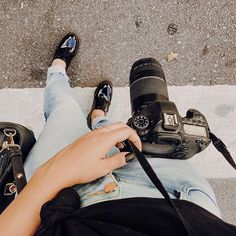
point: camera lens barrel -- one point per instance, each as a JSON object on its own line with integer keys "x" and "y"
{"x": 147, "y": 83}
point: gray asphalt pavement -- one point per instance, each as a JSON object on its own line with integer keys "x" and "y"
{"x": 116, "y": 33}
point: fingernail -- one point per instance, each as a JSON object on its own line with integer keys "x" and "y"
{"x": 120, "y": 145}
{"x": 129, "y": 157}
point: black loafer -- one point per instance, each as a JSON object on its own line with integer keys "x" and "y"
{"x": 67, "y": 48}
{"x": 102, "y": 99}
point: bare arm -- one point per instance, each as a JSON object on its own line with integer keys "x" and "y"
{"x": 22, "y": 215}
{"x": 22, "y": 218}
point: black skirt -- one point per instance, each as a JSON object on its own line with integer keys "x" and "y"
{"x": 133, "y": 216}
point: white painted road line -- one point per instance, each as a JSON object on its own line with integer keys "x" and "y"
{"x": 217, "y": 103}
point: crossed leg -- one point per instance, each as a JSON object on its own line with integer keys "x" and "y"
{"x": 65, "y": 121}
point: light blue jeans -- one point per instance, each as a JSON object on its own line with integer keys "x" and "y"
{"x": 65, "y": 122}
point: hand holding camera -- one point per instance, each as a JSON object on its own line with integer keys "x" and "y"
{"x": 85, "y": 163}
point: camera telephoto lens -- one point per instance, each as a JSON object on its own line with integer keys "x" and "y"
{"x": 147, "y": 83}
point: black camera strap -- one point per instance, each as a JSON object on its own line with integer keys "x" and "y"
{"x": 221, "y": 147}
{"x": 156, "y": 181}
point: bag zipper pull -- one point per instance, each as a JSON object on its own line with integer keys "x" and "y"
{"x": 10, "y": 133}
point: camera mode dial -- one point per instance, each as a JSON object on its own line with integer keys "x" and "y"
{"x": 141, "y": 123}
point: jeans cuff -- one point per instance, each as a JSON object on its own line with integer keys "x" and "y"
{"x": 56, "y": 71}
{"x": 99, "y": 122}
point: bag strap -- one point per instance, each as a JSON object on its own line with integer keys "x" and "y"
{"x": 15, "y": 155}
{"x": 156, "y": 181}
{"x": 221, "y": 147}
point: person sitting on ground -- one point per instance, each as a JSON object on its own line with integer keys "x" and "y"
{"x": 80, "y": 183}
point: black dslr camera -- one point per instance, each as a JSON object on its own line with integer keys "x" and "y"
{"x": 163, "y": 132}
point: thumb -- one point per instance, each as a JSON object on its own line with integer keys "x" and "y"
{"x": 118, "y": 160}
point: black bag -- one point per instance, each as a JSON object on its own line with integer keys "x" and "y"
{"x": 15, "y": 143}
